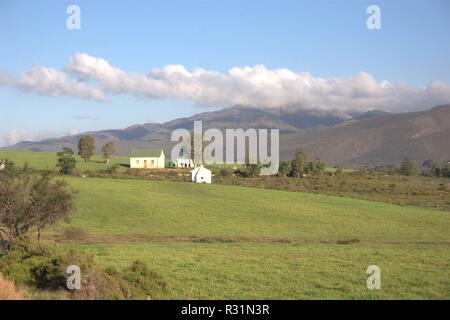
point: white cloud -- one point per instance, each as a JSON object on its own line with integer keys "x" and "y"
{"x": 18, "y": 135}
{"x": 73, "y": 132}
{"x": 94, "y": 78}
{"x": 15, "y": 136}
{"x": 52, "y": 82}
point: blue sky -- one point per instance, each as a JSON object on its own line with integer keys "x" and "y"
{"x": 328, "y": 39}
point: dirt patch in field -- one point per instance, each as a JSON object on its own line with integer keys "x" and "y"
{"x": 205, "y": 240}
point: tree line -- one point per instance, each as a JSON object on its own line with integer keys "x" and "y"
{"x": 299, "y": 166}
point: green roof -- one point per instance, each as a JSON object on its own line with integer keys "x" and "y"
{"x": 145, "y": 153}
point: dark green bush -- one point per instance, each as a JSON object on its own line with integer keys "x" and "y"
{"x": 33, "y": 264}
{"x": 226, "y": 172}
{"x": 143, "y": 282}
{"x": 43, "y": 266}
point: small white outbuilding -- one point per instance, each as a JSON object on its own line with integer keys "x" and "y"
{"x": 2, "y": 164}
{"x": 201, "y": 175}
{"x": 184, "y": 163}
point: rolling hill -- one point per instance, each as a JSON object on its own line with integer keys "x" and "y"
{"x": 371, "y": 138}
{"x": 385, "y": 139}
{"x": 210, "y": 244}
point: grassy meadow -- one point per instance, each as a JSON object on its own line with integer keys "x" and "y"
{"x": 234, "y": 242}
{"x": 47, "y": 160}
{"x": 208, "y": 242}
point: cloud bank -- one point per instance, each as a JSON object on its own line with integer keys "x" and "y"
{"x": 89, "y": 77}
{"x": 52, "y": 82}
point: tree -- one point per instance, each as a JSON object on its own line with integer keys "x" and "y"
{"x": 28, "y": 203}
{"x": 437, "y": 170}
{"x": 316, "y": 166}
{"x": 408, "y": 167}
{"x": 428, "y": 164}
{"x": 14, "y": 189}
{"x": 252, "y": 170}
{"x": 86, "y": 147}
{"x": 446, "y": 171}
{"x": 298, "y": 164}
{"x": 66, "y": 161}
{"x": 107, "y": 150}
{"x": 284, "y": 168}
{"x": 50, "y": 202}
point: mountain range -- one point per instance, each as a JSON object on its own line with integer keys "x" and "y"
{"x": 345, "y": 139}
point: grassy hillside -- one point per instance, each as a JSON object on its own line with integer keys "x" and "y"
{"x": 288, "y": 271}
{"x": 234, "y": 242}
{"x": 223, "y": 241}
{"x": 152, "y": 208}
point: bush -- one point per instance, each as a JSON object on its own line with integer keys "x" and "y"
{"x": 143, "y": 282}
{"x": 30, "y": 263}
{"x": 43, "y": 266}
{"x": 111, "y": 170}
{"x": 66, "y": 161}
{"x": 226, "y": 172}
{"x": 96, "y": 283}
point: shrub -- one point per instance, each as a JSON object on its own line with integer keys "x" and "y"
{"x": 43, "y": 266}
{"x": 226, "y": 172}
{"x": 111, "y": 170}
{"x": 66, "y": 161}
{"x": 143, "y": 282}
{"x": 30, "y": 263}
{"x": 96, "y": 283}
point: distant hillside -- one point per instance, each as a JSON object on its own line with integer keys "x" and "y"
{"x": 158, "y": 135}
{"x": 383, "y": 139}
{"x": 371, "y": 138}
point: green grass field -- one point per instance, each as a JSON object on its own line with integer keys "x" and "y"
{"x": 233, "y": 242}
{"x": 221, "y": 241}
{"x": 47, "y": 160}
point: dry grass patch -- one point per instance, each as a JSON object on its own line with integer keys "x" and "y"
{"x": 8, "y": 290}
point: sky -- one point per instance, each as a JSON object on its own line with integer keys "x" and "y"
{"x": 152, "y": 61}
